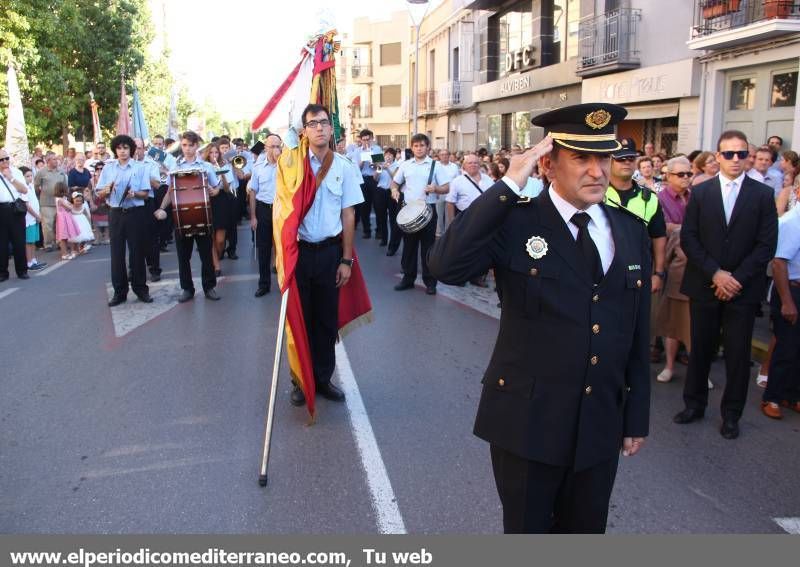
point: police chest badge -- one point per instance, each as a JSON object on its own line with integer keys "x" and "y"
{"x": 536, "y": 247}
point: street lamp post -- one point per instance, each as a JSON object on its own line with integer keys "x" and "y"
{"x": 417, "y": 9}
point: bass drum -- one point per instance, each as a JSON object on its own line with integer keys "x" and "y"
{"x": 191, "y": 206}
{"x": 414, "y": 216}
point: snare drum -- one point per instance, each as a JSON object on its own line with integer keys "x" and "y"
{"x": 191, "y": 206}
{"x": 414, "y": 216}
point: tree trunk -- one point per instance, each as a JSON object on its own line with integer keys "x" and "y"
{"x": 64, "y": 139}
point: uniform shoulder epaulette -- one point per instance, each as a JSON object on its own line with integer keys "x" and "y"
{"x": 629, "y": 213}
{"x": 343, "y": 156}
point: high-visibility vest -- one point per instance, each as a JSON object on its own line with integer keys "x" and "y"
{"x": 644, "y": 205}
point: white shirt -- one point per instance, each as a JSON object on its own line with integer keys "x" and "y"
{"x": 32, "y": 200}
{"x": 415, "y": 176}
{"x": 5, "y": 196}
{"x": 451, "y": 170}
{"x": 726, "y": 188}
{"x": 463, "y": 192}
{"x": 771, "y": 178}
{"x": 789, "y": 241}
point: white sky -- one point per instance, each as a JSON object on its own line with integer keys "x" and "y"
{"x": 234, "y": 53}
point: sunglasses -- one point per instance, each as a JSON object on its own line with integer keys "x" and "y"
{"x": 682, "y": 174}
{"x": 629, "y": 159}
{"x": 742, "y": 154}
{"x": 5, "y": 159}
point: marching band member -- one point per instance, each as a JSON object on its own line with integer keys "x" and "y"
{"x": 220, "y": 205}
{"x": 164, "y": 227}
{"x": 383, "y": 202}
{"x": 421, "y": 180}
{"x": 362, "y": 156}
{"x": 262, "y": 196}
{"x": 125, "y": 185}
{"x": 152, "y": 247}
{"x": 184, "y": 244}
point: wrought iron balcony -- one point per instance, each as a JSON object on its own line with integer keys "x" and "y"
{"x": 725, "y": 23}
{"x": 361, "y": 71}
{"x": 426, "y": 102}
{"x": 450, "y": 95}
{"x": 608, "y": 42}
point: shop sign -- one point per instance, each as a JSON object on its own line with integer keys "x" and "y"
{"x": 520, "y": 59}
{"x": 659, "y": 82}
{"x": 515, "y": 85}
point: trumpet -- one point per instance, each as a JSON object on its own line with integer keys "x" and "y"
{"x": 378, "y": 167}
{"x": 239, "y": 162}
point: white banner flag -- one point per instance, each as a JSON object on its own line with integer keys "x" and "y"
{"x": 16, "y": 137}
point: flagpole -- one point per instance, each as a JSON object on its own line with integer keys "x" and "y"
{"x": 276, "y": 368}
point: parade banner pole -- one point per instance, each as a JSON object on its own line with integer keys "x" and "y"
{"x": 276, "y": 368}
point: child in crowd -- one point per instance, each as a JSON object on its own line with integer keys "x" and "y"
{"x": 83, "y": 220}
{"x": 66, "y": 229}
{"x": 32, "y": 220}
{"x": 99, "y": 209}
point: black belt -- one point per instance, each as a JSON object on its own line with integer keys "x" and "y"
{"x": 263, "y": 203}
{"x": 126, "y": 209}
{"x": 323, "y": 244}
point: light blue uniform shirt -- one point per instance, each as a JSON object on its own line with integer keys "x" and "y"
{"x": 133, "y": 174}
{"x": 211, "y": 174}
{"x": 415, "y": 176}
{"x": 355, "y": 156}
{"x": 385, "y": 178}
{"x": 340, "y": 189}
{"x": 789, "y": 241}
{"x": 153, "y": 172}
{"x": 263, "y": 181}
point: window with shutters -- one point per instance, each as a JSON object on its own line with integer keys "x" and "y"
{"x": 390, "y": 54}
{"x": 390, "y": 95}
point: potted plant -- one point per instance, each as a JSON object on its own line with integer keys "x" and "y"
{"x": 777, "y": 8}
{"x": 715, "y": 8}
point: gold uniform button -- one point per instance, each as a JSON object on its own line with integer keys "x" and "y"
{"x": 588, "y": 390}
{"x": 595, "y": 328}
{"x": 595, "y": 298}
{"x": 501, "y": 382}
{"x": 593, "y": 360}
{"x": 503, "y": 198}
{"x": 638, "y": 283}
{"x": 534, "y": 272}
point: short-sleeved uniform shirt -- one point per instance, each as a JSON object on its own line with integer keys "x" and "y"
{"x": 463, "y": 190}
{"x": 789, "y": 241}
{"x": 133, "y": 174}
{"x": 197, "y": 163}
{"x": 385, "y": 177}
{"x": 340, "y": 189}
{"x": 263, "y": 181}
{"x": 657, "y": 227}
{"x": 415, "y": 175}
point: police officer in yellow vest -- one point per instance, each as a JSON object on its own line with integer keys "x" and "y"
{"x": 623, "y": 191}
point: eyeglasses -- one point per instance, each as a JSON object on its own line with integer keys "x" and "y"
{"x": 741, "y": 154}
{"x": 5, "y": 158}
{"x": 682, "y": 174}
{"x": 314, "y": 124}
{"x": 629, "y": 159}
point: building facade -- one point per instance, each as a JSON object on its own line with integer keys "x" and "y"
{"x": 749, "y": 57}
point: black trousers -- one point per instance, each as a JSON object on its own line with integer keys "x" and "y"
{"x": 423, "y": 239}
{"x": 183, "y": 246}
{"x": 240, "y": 211}
{"x": 395, "y": 234}
{"x": 784, "y": 368}
{"x": 380, "y": 200}
{"x": 12, "y": 231}
{"x": 736, "y": 321}
{"x": 368, "y": 188}
{"x": 319, "y": 296}
{"x": 128, "y": 228}
{"x": 539, "y": 498}
{"x": 153, "y": 245}
{"x": 166, "y": 226}
{"x": 264, "y": 243}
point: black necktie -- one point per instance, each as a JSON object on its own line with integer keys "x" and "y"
{"x": 586, "y": 244}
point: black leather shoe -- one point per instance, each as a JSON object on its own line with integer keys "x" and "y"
{"x": 367, "y": 235}
{"x": 164, "y": 248}
{"x": 330, "y": 392}
{"x": 117, "y": 299}
{"x": 262, "y": 291}
{"x": 382, "y": 243}
{"x": 403, "y": 285}
{"x": 155, "y": 277}
{"x": 391, "y": 252}
{"x": 145, "y": 298}
{"x": 186, "y": 295}
{"x": 297, "y": 398}
{"x": 430, "y": 290}
{"x": 23, "y": 276}
{"x": 233, "y": 256}
{"x": 688, "y": 415}
{"x": 212, "y": 294}
{"x": 729, "y": 429}
{"x": 217, "y": 273}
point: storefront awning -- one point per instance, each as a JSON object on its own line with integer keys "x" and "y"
{"x": 650, "y": 111}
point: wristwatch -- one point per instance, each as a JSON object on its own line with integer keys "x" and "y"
{"x": 347, "y": 261}
{"x": 662, "y": 275}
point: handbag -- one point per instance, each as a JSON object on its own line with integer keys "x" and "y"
{"x": 18, "y": 206}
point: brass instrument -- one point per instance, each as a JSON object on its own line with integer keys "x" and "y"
{"x": 239, "y": 162}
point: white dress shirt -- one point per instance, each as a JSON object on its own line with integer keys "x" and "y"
{"x": 730, "y": 192}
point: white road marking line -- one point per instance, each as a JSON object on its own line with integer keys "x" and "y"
{"x": 483, "y": 300}
{"x": 789, "y": 525}
{"x": 52, "y": 268}
{"x": 383, "y": 499}
{"x": 8, "y": 292}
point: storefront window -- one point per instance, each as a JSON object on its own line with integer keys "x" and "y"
{"x": 522, "y": 129}
{"x": 493, "y": 130}
{"x": 516, "y": 30}
{"x": 784, "y": 89}
{"x": 743, "y": 94}
{"x": 566, "y": 15}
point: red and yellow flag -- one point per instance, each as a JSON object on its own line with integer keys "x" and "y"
{"x": 296, "y": 188}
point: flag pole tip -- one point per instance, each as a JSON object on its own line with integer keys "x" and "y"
{"x": 262, "y": 480}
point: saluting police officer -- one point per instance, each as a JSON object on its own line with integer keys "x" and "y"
{"x": 568, "y": 384}
{"x": 126, "y": 184}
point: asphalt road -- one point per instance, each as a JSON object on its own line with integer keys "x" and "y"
{"x": 149, "y": 419}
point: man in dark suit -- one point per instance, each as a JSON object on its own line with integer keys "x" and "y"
{"x": 729, "y": 235}
{"x": 568, "y": 383}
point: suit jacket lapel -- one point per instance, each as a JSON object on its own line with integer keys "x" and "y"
{"x": 560, "y": 238}
{"x": 741, "y": 201}
{"x": 715, "y": 197}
